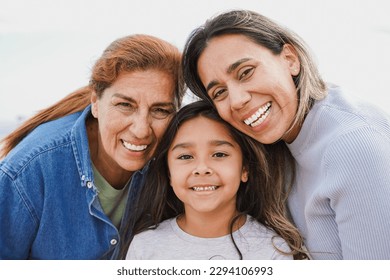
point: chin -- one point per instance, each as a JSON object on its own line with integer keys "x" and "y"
{"x": 132, "y": 165}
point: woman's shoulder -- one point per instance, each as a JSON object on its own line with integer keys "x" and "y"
{"x": 342, "y": 108}
{"x": 42, "y": 142}
{"x": 353, "y": 126}
{"x": 341, "y": 119}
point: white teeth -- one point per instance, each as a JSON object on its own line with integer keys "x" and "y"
{"x": 259, "y": 121}
{"x": 255, "y": 119}
{"x": 132, "y": 147}
{"x": 208, "y": 188}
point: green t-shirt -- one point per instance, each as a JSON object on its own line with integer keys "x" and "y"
{"x": 113, "y": 201}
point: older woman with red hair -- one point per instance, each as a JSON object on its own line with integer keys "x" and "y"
{"x": 69, "y": 173}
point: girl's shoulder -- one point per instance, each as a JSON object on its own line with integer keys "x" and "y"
{"x": 254, "y": 228}
{"x": 263, "y": 241}
{"x": 155, "y": 231}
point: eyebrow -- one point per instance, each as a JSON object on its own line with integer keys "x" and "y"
{"x": 234, "y": 66}
{"x": 124, "y": 97}
{"x": 229, "y": 70}
{"x": 164, "y": 104}
{"x": 215, "y": 143}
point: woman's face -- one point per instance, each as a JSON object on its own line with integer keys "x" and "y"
{"x": 251, "y": 87}
{"x": 132, "y": 114}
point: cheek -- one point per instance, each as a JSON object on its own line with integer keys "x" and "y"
{"x": 177, "y": 181}
{"x": 224, "y": 111}
{"x": 288, "y": 101}
{"x": 110, "y": 130}
{"x": 171, "y": 166}
{"x": 159, "y": 128}
{"x": 226, "y": 114}
{"x": 108, "y": 141}
{"x": 177, "y": 175}
{"x": 234, "y": 169}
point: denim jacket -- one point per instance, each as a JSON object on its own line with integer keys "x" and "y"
{"x": 49, "y": 208}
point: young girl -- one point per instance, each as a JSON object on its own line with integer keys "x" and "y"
{"x": 211, "y": 195}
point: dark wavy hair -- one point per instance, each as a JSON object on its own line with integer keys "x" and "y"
{"x": 264, "y": 200}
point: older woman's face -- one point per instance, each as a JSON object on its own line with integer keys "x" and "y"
{"x": 251, "y": 87}
{"x": 132, "y": 114}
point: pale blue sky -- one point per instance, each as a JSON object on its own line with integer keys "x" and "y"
{"x": 47, "y": 47}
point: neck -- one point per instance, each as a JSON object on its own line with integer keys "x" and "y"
{"x": 209, "y": 225}
{"x": 292, "y": 134}
{"x": 117, "y": 180}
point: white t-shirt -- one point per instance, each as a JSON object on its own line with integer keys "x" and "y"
{"x": 169, "y": 242}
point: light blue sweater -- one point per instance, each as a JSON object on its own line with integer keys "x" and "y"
{"x": 341, "y": 198}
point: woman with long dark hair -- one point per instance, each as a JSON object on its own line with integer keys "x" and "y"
{"x": 262, "y": 79}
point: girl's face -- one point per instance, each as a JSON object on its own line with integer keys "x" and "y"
{"x": 251, "y": 87}
{"x": 206, "y": 167}
{"x": 132, "y": 114}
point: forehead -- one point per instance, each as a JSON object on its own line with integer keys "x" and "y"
{"x": 194, "y": 129}
{"x": 236, "y": 49}
{"x": 234, "y": 46}
{"x": 149, "y": 85}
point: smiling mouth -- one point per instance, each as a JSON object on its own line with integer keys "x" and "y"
{"x": 134, "y": 148}
{"x": 205, "y": 188}
{"x": 259, "y": 116}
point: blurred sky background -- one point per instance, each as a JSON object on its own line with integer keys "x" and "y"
{"x": 47, "y": 47}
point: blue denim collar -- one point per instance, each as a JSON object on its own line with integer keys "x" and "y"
{"x": 80, "y": 146}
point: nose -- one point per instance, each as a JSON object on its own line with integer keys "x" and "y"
{"x": 202, "y": 168}
{"x": 238, "y": 97}
{"x": 141, "y": 126}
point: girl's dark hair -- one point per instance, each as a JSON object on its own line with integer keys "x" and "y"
{"x": 264, "y": 199}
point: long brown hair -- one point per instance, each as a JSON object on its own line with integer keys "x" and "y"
{"x": 131, "y": 53}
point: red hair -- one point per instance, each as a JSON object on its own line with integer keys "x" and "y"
{"x": 131, "y": 53}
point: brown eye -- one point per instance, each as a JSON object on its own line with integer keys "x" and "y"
{"x": 218, "y": 94}
{"x": 220, "y": 155}
{"x": 184, "y": 157}
{"x": 246, "y": 73}
{"x": 161, "y": 113}
{"x": 125, "y": 106}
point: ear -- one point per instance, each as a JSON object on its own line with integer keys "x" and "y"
{"x": 94, "y": 104}
{"x": 244, "y": 174}
{"x": 291, "y": 57}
